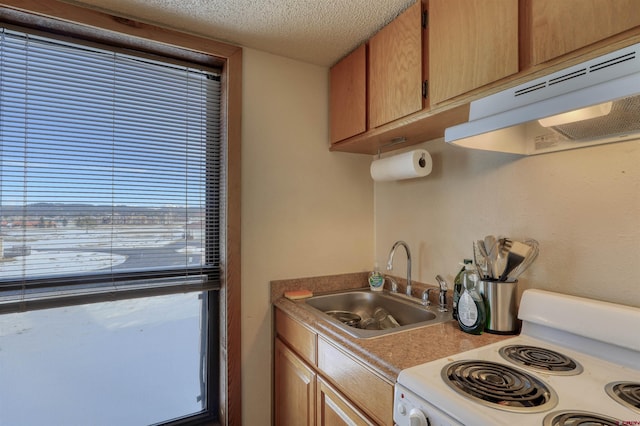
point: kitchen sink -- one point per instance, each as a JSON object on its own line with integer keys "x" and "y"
{"x": 354, "y": 312}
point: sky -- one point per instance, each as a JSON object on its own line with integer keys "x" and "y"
{"x": 89, "y": 126}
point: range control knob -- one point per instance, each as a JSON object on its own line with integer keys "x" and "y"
{"x": 402, "y": 409}
{"x": 416, "y": 418}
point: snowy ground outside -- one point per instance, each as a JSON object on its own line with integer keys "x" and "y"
{"x": 84, "y": 250}
{"x": 132, "y": 362}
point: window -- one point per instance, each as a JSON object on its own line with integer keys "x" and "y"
{"x": 111, "y": 215}
{"x": 128, "y": 362}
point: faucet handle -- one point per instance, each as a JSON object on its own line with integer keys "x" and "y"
{"x": 425, "y": 297}
{"x": 394, "y": 284}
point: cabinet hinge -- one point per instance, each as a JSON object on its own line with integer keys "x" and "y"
{"x": 425, "y": 88}
{"x": 425, "y": 19}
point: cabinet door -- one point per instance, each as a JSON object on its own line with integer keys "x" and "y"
{"x": 559, "y": 27}
{"x": 348, "y": 95}
{"x": 335, "y": 410}
{"x": 295, "y": 388}
{"x": 471, "y": 43}
{"x": 371, "y": 394}
{"x": 395, "y": 68}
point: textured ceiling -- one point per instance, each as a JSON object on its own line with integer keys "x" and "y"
{"x": 315, "y": 31}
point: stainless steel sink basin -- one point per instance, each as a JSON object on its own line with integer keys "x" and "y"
{"x": 353, "y": 311}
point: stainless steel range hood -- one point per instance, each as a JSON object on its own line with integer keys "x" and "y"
{"x": 605, "y": 90}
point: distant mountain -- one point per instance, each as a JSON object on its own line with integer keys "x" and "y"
{"x": 74, "y": 209}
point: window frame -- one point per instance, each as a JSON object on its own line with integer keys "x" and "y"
{"x": 93, "y": 26}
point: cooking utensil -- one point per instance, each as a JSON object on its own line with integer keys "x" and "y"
{"x": 481, "y": 258}
{"x": 491, "y": 249}
{"x": 503, "y": 259}
{"x": 530, "y": 257}
{"x": 517, "y": 254}
{"x": 490, "y": 245}
{"x": 500, "y": 263}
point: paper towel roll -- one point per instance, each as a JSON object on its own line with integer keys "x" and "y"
{"x": 412, "y": 164}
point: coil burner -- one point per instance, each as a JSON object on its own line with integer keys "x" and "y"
{"x": 499, "y": 386}
{"x": 625, "y": 393}
{"x": 579, "y": 418}
{"x": 541, "y": 359}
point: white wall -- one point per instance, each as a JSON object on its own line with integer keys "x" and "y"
{"x": 309, "y": 212}
{"x": 305, "y": 211}
{"x": 583, "y": 206}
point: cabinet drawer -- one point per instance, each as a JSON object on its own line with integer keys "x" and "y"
{"x": 297, "y": 336}
{"x": 370, "y": 392}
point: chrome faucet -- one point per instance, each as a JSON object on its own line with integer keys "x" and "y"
{"x": 390, "y": 262}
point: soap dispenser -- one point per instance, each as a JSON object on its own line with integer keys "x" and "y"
{"x": 457, "y": 285}
{"x": 376, "y": 279}
{"x": 471, "y": 310}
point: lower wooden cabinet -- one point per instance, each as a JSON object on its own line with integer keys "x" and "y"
{"x": 335, "y": 410}
{"x": 295, "y": 388}
{"x": 316, "y": 383}
{"x": 372, "y": 394}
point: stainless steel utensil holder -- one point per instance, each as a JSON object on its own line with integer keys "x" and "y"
{"x": 501, "y": 304}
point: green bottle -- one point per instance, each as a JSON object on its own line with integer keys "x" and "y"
{"x": 457, "y": 286}
{"x": 471, "y": 310}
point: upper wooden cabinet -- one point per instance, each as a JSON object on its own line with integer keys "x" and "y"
{"x": 470, "y": 43}
{"x": 395, "y": 68}
{"x": 468, "y": 46}
{"x": 348, "y": 95}
{"x": 560, "y": 27}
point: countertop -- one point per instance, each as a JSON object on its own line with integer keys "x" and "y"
{"x": 387, "y": 354}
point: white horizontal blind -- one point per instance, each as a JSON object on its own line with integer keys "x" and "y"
{"x": 110, "y": 169}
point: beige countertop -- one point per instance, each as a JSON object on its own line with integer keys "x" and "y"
{"x": 387, "y": 354}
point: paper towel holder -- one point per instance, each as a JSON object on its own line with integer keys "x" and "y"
{"x": 393, "y": 141}
{"x": 422, "y": 161}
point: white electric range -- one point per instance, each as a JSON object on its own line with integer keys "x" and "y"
{"x": 575, "y": 362}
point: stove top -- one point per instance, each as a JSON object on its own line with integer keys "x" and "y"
{"x": 579, "y": 418}
{"x": 540, "y": 359}
{"x": 499, "y": 386}
{"x": 548, "y": 375}
{"x": 626, "y": 393}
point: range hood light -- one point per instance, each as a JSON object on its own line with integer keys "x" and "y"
{"x": 587, "y": 113}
